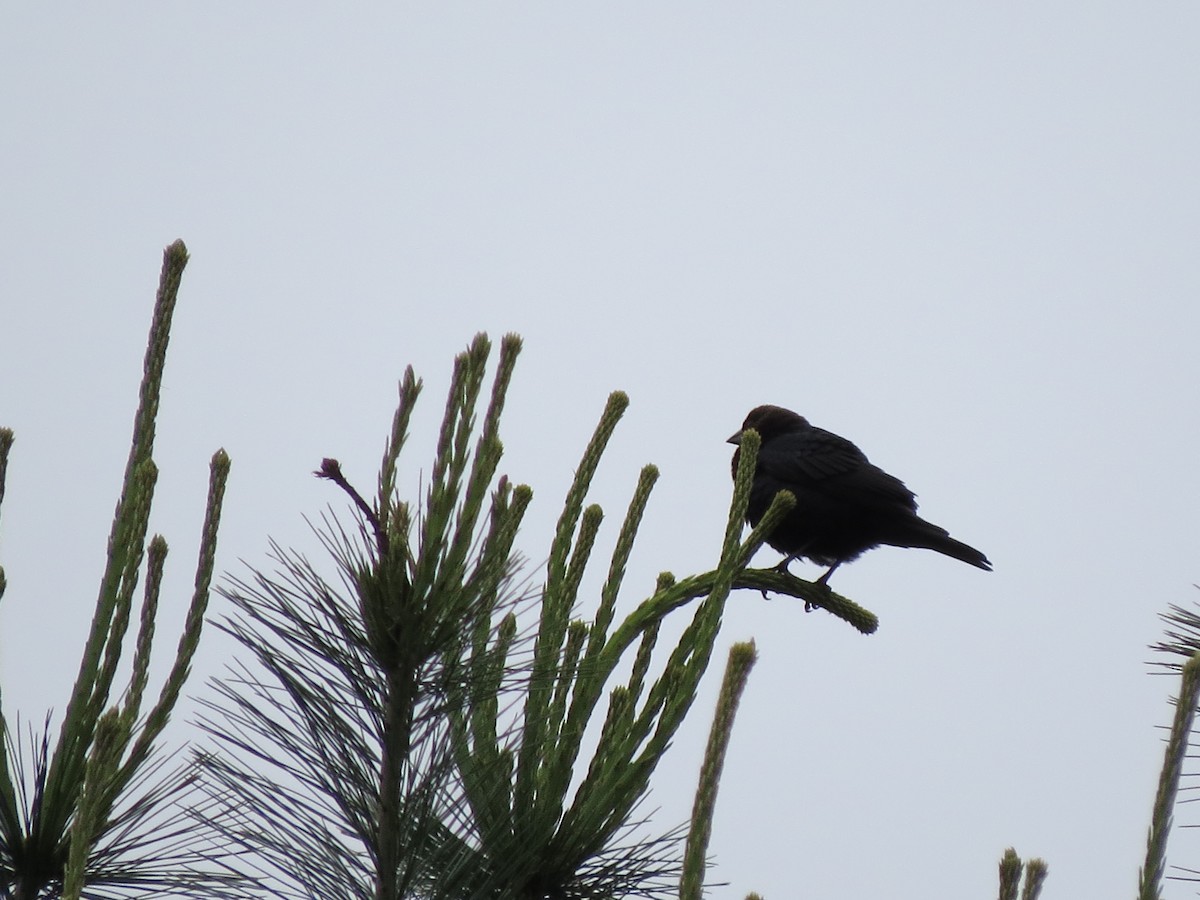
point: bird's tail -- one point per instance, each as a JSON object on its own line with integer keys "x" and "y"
{"x": 933, "y": 537}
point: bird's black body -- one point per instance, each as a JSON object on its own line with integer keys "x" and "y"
{"x": 844, "y": 504}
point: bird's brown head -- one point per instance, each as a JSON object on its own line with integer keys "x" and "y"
{"x": 770, "y": 422}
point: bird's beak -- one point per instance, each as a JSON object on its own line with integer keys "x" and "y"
{"x": 735, "y": 439}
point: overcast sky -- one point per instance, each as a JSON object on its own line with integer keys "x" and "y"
{"x": 963, "y": 235}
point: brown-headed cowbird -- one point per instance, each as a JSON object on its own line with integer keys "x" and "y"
{"x": 844, "y": 505}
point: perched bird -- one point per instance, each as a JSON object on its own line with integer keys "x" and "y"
{"x": 844, "y": 504}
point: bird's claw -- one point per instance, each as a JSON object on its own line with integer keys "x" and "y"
{"x": 782, "y": 568}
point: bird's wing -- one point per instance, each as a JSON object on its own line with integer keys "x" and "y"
{"x": 811, "y": 454}
{"x": 823, "y": 460}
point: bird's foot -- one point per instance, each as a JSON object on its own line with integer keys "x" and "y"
{"x": 824, "y": 579}
{"x": 782, "y": 568}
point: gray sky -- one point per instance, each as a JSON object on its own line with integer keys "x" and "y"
{"x": 962, "y": 235}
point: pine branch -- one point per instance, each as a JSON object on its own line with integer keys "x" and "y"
{"x": 1151, "y": 875}
{"x": 741, "y": 660}
{"x": 400, "y": 732}
{"x": 69, "y": 820}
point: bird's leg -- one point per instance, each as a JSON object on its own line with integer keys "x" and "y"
{"x": 824, "y": 579}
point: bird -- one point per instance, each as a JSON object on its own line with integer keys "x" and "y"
{"x": 845, "y": 505}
